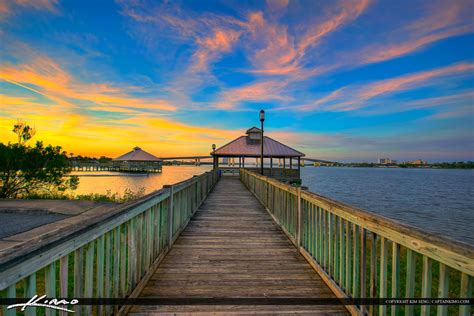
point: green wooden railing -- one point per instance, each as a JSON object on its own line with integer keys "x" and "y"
{"x": 112, "y": 258}
{"x": 362, "y": 255}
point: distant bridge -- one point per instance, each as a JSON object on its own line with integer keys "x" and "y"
{"x": 198, "y": 158}
{"x": 317, "y": 160}
{"x": 185, "y": 157}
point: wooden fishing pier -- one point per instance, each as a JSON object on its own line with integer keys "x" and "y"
{"x": 247, "y": 237}
{"x": 232, "y": 248}
{"x": 136, "y": 161}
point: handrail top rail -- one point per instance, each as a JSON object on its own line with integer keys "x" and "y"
{"x": 383, "y": 225}
{"x": 45, "y": 241}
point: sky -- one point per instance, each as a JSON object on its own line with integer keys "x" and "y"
{"x": 348, "y": 80}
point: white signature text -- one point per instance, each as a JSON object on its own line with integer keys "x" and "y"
{"x": 40, "y": 301}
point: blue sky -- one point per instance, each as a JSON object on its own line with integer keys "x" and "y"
{"x": 339, "y": 80}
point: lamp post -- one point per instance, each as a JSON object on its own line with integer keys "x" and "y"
{"x": 214, "y": 155}
{"x": 262, "y": 118}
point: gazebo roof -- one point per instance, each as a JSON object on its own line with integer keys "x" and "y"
{"x": 137, "y": 154}
{"x": 253, "y": 130}
{"x": 246, "y": 147}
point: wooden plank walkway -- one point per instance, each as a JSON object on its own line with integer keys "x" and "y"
{"x": 233, "y": 249}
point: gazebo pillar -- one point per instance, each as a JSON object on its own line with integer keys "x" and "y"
{"x": 271, "y": 166}
{"x": 291, "y": 162}
{"x": 299, "y": 163}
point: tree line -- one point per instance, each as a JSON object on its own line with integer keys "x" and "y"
{"x": 26, "y": 169}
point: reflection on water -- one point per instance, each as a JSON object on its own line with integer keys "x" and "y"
{"x": 102, "y": 181}
{"x": 436, "y": 200}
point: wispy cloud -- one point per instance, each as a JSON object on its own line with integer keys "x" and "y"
{"x": 277, "y": 6}
{"x": 259, "y": 91}
{"x": 350, "y": 98}
{"x": 269, "y": 46}
{"x": 276, "y": 51}
{"x": 211, "y": 47}
{"x": 411, "y": 81}
{"x": 10, "y": 7}
{"x": 157, "y": 64}
{"x": 44, "y": 76}
{"x": 343, "y": 13}
{"x": 461, "y": 112}
{"x": 439, "y": 20}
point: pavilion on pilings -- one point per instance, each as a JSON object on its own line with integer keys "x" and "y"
{"x": 279, "y": 160}
{"x": 138, "y": 160}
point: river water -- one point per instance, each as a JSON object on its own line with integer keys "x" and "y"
{"x": 116, "y": 182}
{"x": 440, "y": 201}
{"x": 436, "y": 200}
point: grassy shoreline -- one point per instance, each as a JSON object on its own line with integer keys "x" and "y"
{"x": 127, "y": 195}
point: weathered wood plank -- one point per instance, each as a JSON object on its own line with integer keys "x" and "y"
{"x": 230, "y": 254}
{"x": 363, "y": 267}
{"x": 465, "y": 292}
{"x": 50, "y": 285}
{"x": 123, "y": 257}
{"x": 395, "y": 275}
{"x": 347, "y": 284}
{"x": 116, "y": 263}
{"x": 99, "y": 286}
{"x": 426, "y": 283}
{"x": 341, "y": 252}
{"x": 454, "y": 254}
{"x": 30, "y": 291}
{"x": 443, "y": 288}
{"x": 108, "y": 270}
{"x": 57, "y": 250}
{"x": 89, "y": 275}
{"x": 10, "y": 293}
{"x": 410, "y": 280}
{"x": 224, "y": 310}
{"x": 383, "y": 274}
{"x": 373, "y": 271}
{"x": 78, "y": 277}
{"x": 63, "y": 279}
{"x": 356, "y": 262}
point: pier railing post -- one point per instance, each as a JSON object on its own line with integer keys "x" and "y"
{"x": 299, "y": 222}
{"x": 170, "y": 215}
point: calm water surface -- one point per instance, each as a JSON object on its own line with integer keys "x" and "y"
{"x": 101, "y": 182}
{"x": 436, "y": 200}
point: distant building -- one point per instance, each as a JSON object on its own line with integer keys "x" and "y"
{"x": 386, "y": 161}
{"x": 417, "y": 162}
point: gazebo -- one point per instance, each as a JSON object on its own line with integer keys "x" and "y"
{"x": 138, "y": 160}
{"x": 280, "y": 161}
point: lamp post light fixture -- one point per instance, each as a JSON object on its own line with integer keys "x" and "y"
{"x": 213, "y": 156}
{"x": 262, "y": 118}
